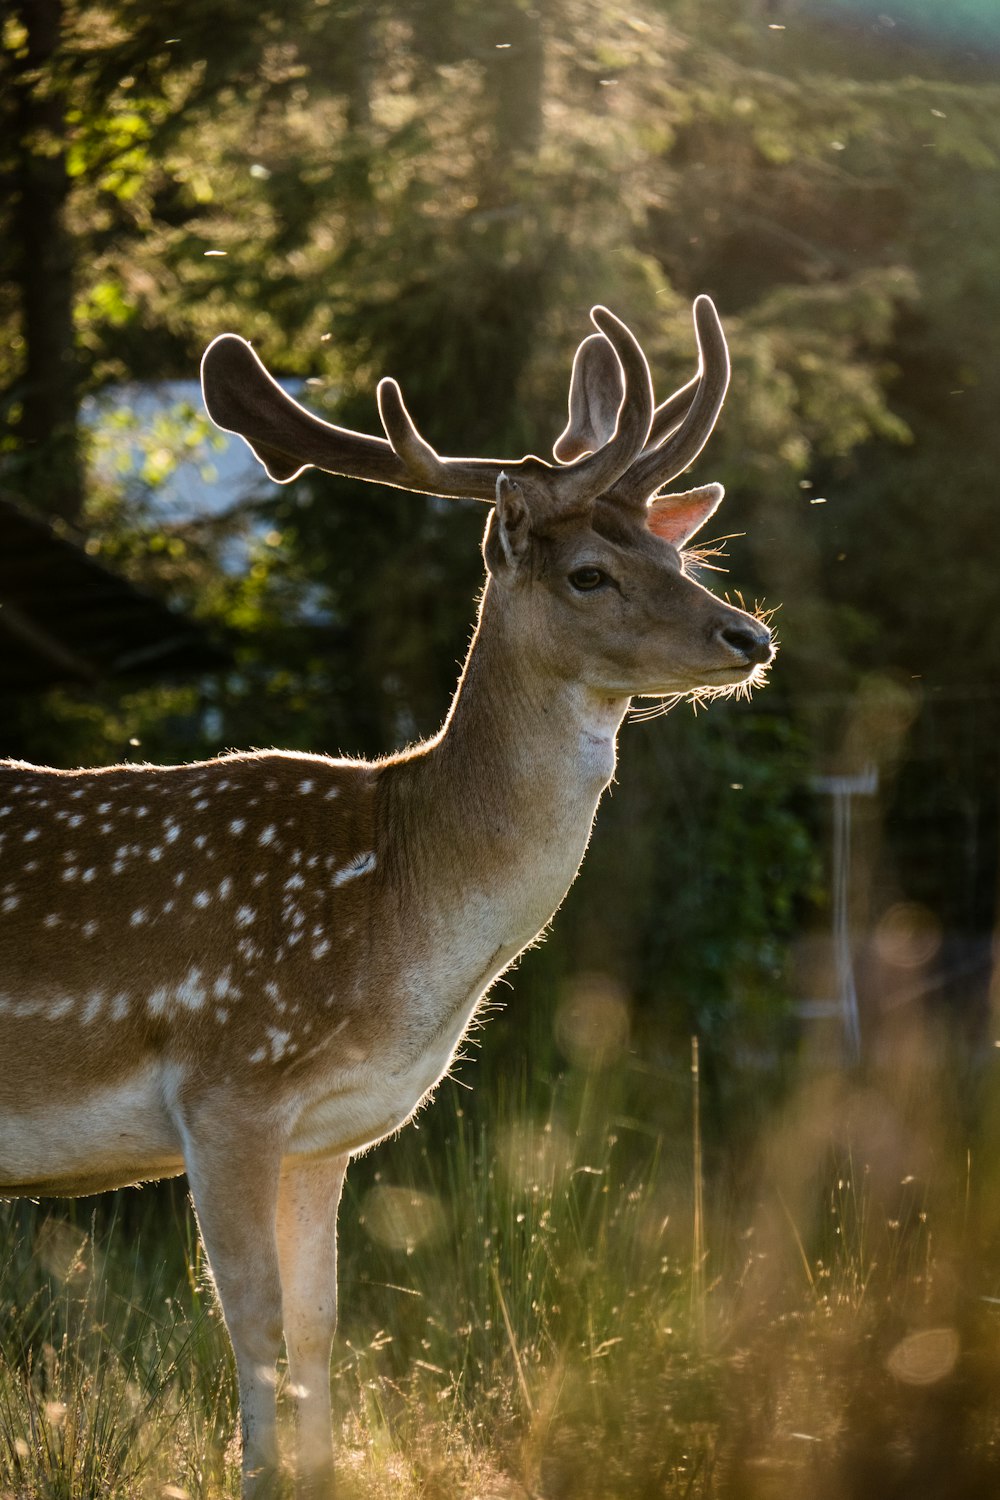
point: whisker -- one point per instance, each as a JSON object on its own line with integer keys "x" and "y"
{"x": 699, "y": 698}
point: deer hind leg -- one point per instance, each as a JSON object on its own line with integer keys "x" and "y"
{"x": 233, "y": 1171}
{"x": 308, "y": 1198}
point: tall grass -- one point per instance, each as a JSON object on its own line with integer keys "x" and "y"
{"x": 550, "y": 1294}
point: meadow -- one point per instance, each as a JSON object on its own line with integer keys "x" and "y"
{"x": 592, "y": 1277}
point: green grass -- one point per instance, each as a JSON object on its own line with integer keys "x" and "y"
{"x": 532, "y": 1306}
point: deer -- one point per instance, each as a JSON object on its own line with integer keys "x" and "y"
{"x": 251, "y": 968}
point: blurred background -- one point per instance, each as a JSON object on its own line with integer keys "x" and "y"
{"x": 805, "y": 883}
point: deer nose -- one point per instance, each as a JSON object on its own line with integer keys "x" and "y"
{"x": 750, "y": 640}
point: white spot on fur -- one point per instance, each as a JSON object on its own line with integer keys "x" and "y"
{"x": 11, "y": 903}
{"x": 279, "y": 1041}
{"x": 201, "y": 806}
{"x": 104, "y": 807}
{"x": 89, "y": 928}
{"x": 333, "y": 792}
{"x": 138, "y": 916}
{"x": 156, "y": 852}
{"x": 157, "y": 1002}
{"x": 202, "y": 899}
{"x": 119, "y": 1008}
{"x": 71, "y": 873}
{"x": 361, "y": 864}
{"x": 31, "y": 835}
{"x": 89, "y": 875}
{"x": 75, "y": 820}
{"x": 245, "y": 915}
{"x": 225, "y": 888}
{"x": 237, "y": 825}
{"x": 258, "y": 1056}
{"x": 170, "y": 831}
{"x": 294, "y": 883}
{"x": 92, "y": 1009}
{"x": 191, "y": 991}
{"x": 321, "y": 948}
{"x": 306, "y": 786}
{"x": 60, "y": 1009}
{"x": 53, "y": 919}
{"x": 266, "y": 835}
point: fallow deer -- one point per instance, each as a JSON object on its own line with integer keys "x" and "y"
{"x": 252, "y": 968}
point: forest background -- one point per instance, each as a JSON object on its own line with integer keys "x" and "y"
{"x": 440, "y": 190}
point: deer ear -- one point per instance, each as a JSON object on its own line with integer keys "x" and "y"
{"x": 596, "y": 391}
{"x": 676, "y": 518}
{"x": 508, "y": 534}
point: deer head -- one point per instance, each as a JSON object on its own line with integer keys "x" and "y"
{"x": 587, "y": 552}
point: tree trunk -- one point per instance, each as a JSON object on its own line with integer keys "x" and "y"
{"x": 49, "y": 475}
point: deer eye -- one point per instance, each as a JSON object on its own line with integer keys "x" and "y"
{"x": 584, "y": 580}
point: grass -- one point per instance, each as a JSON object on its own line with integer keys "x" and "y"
{"x": 545, "y": 1295}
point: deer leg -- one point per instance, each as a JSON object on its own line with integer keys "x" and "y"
{"x": 308, "y": 1198}
{"x": 234, "y": 1175}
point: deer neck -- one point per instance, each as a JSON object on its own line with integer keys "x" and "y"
{"x": 500, "y": 804}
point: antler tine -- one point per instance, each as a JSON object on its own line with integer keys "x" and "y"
{"x": 659, "y": 465}
{"x": 242, "y": 397}
{"x": 670, "y": 413}
{"x": 599, "y": 471}
{"x": 427, "y": 472}
{"x": 596, "y": 388}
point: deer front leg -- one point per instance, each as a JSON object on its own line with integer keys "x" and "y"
{"x": 308, "y": 1198}
{"x": 234, "y": 1172}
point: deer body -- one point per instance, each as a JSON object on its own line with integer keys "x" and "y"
{"x": 245, "y": 947}
{"x": 251, "y": 968}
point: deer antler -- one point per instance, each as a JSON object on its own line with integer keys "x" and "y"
{"x": 241, "y": 397}
{"x": 618, "y": 445}
{"x": 681, "y": 425}
{"x": 656, "y": 466}
{"x": 595, "y": 396}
